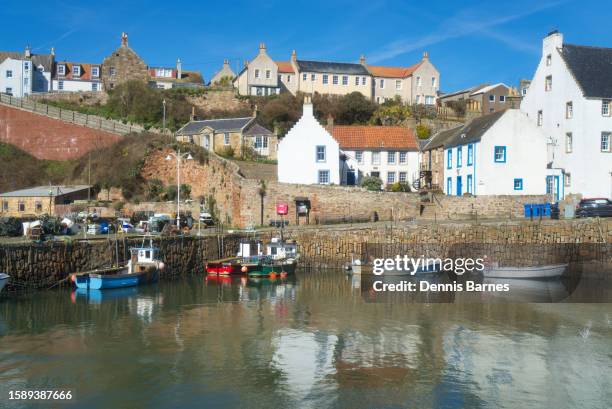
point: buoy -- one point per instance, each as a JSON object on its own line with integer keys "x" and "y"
{"x": 244, "y": 269}
{"x": 283, "y": 274}
{"x": 161, "y": 265}
{"x": 73, "y": 278}
{"x": 273, "y": 275}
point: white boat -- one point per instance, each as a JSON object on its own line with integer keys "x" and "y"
{"x": 356, "y": 267}
{"x": 546, "y": 271}
{"x": 4, "y": 278}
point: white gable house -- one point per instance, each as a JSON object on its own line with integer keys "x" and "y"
{"x": 570, "y": 99}
{"x": 308, "y": 154}
{"x": 503, "y": 153}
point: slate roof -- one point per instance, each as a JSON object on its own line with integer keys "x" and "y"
{"x": 464, "y": 91}
{"x": 46, "y": 60}
{"x": 217, "y": 125}
{"x": 468, "y": 133}
{"x": 257, "y": 129}
{"x": 332, "y": 67}
{"x": 374, "y": 137}
{"x": 393, "y": 72}
{"x": 591, "y": 67}
{"x": 39, "y": 191}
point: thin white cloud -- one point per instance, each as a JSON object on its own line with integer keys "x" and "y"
{"x": 57, "y": 40}
{"x": 466, "y": 22}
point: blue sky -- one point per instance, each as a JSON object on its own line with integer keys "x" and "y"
{"x": 469, "y": 41}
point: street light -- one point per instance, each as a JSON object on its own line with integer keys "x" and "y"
{"x": 179, "y": 157}
{"x": 164, "y": 120}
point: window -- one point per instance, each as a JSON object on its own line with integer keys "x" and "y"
{"x": 418, "y": 81}
{"x": 449, "y": 159}
{"x": 325, "y": 79}
{"x": 76, "y": 71}
{"x": 363, "y": 80}
{"x": 256, "y": 73}
{"x": 288, "y": 78}
{"x": 449, "y": 186}
{"x": 345, "y": 80}
{"x": 540, "y": 118}
{"x": 403, "y": 157}
{"x": 470, "y": 158}
{"x": 321, "y": 153}
{"x": 258, "y": 142}
{"x": 402, "y": 177}
{"x": 95, "y": 72}
{"x": 390, "y": 177}
{"x": 268, "y": 73}
{"x": 418, "y": 99}
{"x": 502, "y": 99}
{"x": 459, "y": 156}
{"x": 605, "y": 107}
{"x": 9, "y": 74}
{"x": 259, "y": 91}
{"x": 433, "y": 82}
{"x": 548, "y": 83}
{"x": 313, "y": 77}
{"x": 5, "y": 205}
{"x": 518, "y": 184}
{"x": 304, "y": 77}
{"x": 356, "y": 80}
{"x": 567, "y": 179}
{"x": 605, "y": 141}
{"x": 500, "y": 154}
{"x": 391, "y": 157}
{"x": 9, "y": 91}
{"x": 21, "y": 206}
{"x": 94, "y": 86}
{"x": 26, "y": 65}
{"x": 375, "y": 158}
{"x": 470, "y": 188}
{"x": 38, "y": 207}
{"x": 226, "y": 138}
{"x": 359, "y": 157}
{"x": 112, "y": 71}
{"x": 323, "y": 177}
{"x": 60, "y": 85}
{"x": 429, "y": 100}
{"x": 61, "y": 69}
{"x": 381, "y": 83}
{"x": 335, "y": 80}
{"x": 569, "y": 110}
{"x": 491, "y": 98}
{"x": 548, "y": 60}
{"x": 568, "y": 142}
{"x": 398, "y": 85}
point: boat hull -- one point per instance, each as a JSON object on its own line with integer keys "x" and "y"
{"x": 548, "y": 271}
{"x": 120, "y": 280}
{"x": 4, "y": 279}
{"x": 275, "y": 268}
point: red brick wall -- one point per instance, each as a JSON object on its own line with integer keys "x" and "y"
{"x": 48, "y": 138}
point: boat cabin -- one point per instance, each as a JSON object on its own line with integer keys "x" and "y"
{"x": 279, "y": 249}
{"x": 249, "y": 248}
{"x": 143, "y": 255}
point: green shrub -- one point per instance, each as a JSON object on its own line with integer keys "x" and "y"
{"x": 399, "y": 187}
{"x": 226, "y": 152}
{"x": 371, "y": 183}
{"x": 423, "y": 131}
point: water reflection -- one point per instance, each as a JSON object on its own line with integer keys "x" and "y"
{"x": 307, "y": 341}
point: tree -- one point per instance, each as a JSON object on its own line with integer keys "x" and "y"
{"x": 355, "y": 108}
{"x": 371, "y": 183}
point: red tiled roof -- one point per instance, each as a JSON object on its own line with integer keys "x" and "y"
{"x": 285, "y": 67}
{"x": 374, "y": 137}
{"x": 85, "y": 71}
{"x": 392, "y": 72}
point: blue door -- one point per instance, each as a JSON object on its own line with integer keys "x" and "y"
{"x": 459, "y": 186}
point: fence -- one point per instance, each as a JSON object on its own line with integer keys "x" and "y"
{"x": 77, "y": 118}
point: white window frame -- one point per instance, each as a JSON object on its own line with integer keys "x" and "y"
{"x": 569, "y": 142}
{"x": 321, "y": 154}
{"x": 334, "y": 79}
{"x": 322, "y": 172}
{"x": 502, "y": 99}
{"x": 9, "y": 74}
{"x": 268, "y": 74}
{"x": 491, "y": 98}
{"x": 605, "y": 142}
{"x": 76, "y": 70}
{"x": 433, "y": 82}
{"x": 359, "y": 157}
{"x": 325, "y": 79}
{"x": 381, "y": 83}
{"x": 256, "y": 73}
{"x": 345, "y": 80}
{"x": 60, "y": 85}
{"x": 95, "y": 86}
{"x": 376, "y": 158}
{"x": 403, "y": 176}
{"x": 363, "y": 80}
{"x": 391, "y": 157}
{"x": 398, "y": 85}
{"x": 403, "y": 157}
{"x": 569, "y": 110}
{"x": 357, "y": 81}
{"x": 95, "y": 72}
{"x": 418, "y": 81}
{"x": 605, "y": 107}
{"x": 390, "y": 177}
{"x": 304, "y": 77}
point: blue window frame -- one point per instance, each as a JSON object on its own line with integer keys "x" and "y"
{"x": 499, "y": 155}
{"x": 321, "y": 153}
{"x": 470, "y": 158}
{"x": 459, "y": 156}
{"x": 469, "y": 183}
{"x": 449, "y": 159}
{"x": 518, "y": 184}
{"x": 449, "y": 186}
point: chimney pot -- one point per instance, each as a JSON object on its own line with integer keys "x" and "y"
{"x": 362, "y": 60}
{"x": 124, "y": 39}
{"x": 53, "y": 51}
{"x": 179, "y": 69}
{"x": 293, "y": 56}
{"x": 425, "y": 55}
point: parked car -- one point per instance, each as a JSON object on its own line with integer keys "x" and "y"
{"x": 206, "y": 219}
{"x": 594, "y": 207}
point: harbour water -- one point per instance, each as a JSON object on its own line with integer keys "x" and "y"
{"x": 312, "y": 341}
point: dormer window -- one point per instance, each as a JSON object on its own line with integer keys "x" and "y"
{"x": 76, "y": 71}
{"x": 605, "y": 107}
{"x": 548, "y": 60}
{"x": 548, "y": 83}
{"x": 95, "y": 72}
{"x": 61, "y": 69}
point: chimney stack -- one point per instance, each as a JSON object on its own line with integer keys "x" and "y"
{"x": 226, "y": 63}
{"x": 255, "y": 111}
{"x": 330, "y": 121}
{"x": 179, "y": 69}
{"x": 28, "y": 52}
{"x": 425, "y": 55}
{"x": 192, "y": 118}
{"x": 53, "y": 51}
{"x": 246, "y": 63}
{"x": 124, "y": 39}
{"x": 362, "y": 60}
{"x": 293, "y": 56}
{"x": 262, "y": 48}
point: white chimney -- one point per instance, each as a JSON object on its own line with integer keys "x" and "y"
{"x": 179, "y": 69}
{"x": 553, "y": 41}
{"x": 307, "y": 110}
{"x": 28, "y": 52}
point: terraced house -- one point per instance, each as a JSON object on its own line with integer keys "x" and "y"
{"x": 416, "y": 84}
{"x": 24, "y": 73}
{"x": 76, "y": 76}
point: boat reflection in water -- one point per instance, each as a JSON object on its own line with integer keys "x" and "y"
{"x": 99, "y": 296}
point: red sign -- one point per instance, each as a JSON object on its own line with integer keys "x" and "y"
{"x": 282, "y": 209}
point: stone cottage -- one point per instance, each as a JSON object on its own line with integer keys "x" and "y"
{"x": 123, "y": 65}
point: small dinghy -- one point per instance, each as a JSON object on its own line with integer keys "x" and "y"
{"x": 4, "y": 278}
{"x": 545, "y": 271}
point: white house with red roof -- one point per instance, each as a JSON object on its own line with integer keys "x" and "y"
{"x": 77, "y": 76}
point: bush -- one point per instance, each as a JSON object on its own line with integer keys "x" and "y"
{"x": 185, "y": 191}
{"x": 155, "y": 188}
{"x": 423, "y": 131}
{"x": 10, "y": 226}
{"x": 226, "y": 152}
{"x": 371, "y": 183}
{"x": 399, "y": 187}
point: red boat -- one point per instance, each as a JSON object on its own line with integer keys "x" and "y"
{"x": 224, "y": 267}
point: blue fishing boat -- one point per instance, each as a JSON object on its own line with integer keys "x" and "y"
{"x": 142, "y": 268}
{"x": 4, "y": 278}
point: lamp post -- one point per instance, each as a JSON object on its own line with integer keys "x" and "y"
{"x": 164, "y": 115}
{"x": 179, "y": 157}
